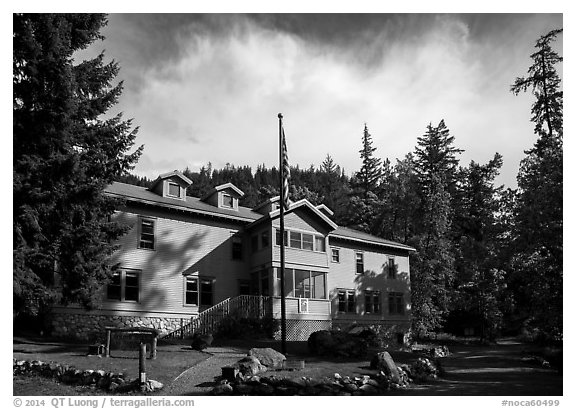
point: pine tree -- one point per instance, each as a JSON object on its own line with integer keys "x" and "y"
{"x": 432, "y": 275}
{"x": 368, "y": 178}
{"x": 64, "y": 155}
{"x": 538, "y": 221}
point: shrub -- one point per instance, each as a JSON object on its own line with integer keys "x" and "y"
{"x": 241, "y": 327}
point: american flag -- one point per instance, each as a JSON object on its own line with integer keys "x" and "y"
{"x": 286, "y": 171}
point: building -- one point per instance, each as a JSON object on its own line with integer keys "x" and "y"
{"x": 186, "y": 262}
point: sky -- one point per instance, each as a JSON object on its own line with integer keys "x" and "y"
{"x": 208, "y": 87}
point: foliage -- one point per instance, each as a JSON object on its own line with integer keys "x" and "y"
{"x": 65, "y": 154}
{"x": 368, "y": 178}
{"x": 537, "y": 234}
{"x": 237, "y": 327}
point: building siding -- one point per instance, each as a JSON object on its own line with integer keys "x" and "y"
{"x": 184, "y": 246}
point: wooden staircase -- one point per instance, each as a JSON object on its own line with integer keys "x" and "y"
{"x": 207, "y": 321}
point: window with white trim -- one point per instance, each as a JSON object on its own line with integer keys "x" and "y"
{"x": 227, "y": 200}
{"x": 359, "y": 263}
{"x": 335, "y": 255}
{"x": 346, "y": 301}
{"x": 124, "y": 286}
{"x": 395, "y": 303}
{"x": 174, "y": 189}
{"x": 146, "y": 233}
{"x": 391, "y": 268}
{"x": 302, "y": 241}
{"x": 372, "y": 302}
{"x": 236, "y": 247}
{"x": 199, "y": 291}
{"x": 304, "y": 283}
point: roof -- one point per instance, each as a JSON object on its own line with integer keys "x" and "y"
{"x": 169, "y": 175}
{"x": 191, "y": 204}
{"x": 346, "y": 233}
{"x": 195, "y": 205}
{"x": 222, "y": 187}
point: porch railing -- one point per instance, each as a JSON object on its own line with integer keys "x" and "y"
{"x": 207, "y": 321}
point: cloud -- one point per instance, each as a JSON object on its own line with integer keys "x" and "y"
{"x": 209, "y": 87}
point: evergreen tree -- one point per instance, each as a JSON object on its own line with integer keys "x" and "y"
{"x": 368, "y": 178}
{"x": 480, "y": 280}
{"x": 64, "y": 155}
{"x": 432, "y": 275}
{"x": 538, "y": 221}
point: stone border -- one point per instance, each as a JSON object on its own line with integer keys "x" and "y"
{"x": 69, "y": 375}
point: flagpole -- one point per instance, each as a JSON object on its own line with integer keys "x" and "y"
{"x": 282, "y": 261}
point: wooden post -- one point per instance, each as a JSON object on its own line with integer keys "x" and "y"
{"x": 108, "y": 336}
{"x": 142, "y": 364}
{"x": 181, "y": 328}
{"x": 153, "y": 347}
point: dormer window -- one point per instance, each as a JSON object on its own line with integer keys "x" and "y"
{"x": 227, "y": 201}
{"x": 173, "y": 189}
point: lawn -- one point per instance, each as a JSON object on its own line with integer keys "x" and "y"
{"x": 471, "y": 369}
{"x": 172, "y": 360}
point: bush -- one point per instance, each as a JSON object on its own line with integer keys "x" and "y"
{"x": 241, "y": 327}
{"x": 337, "y": 343}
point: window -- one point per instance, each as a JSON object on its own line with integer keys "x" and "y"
{"x": 372, "y": 302}
{"x": 124, "y": 286}
{"x": 396, "y": 303}
{"x": 243, "y": 287}
{"x": 302, "y": 241}
{"x": 320, "y": 243}
{"x": 199, "y": 290}
{"x": 236, "y": 248}
{"x": 346, "y": 301}
{"x": 114, "y": 291}
{"x": 131, "y": 286}
{"x": 391, "y": 268}
{"x": 146, "y": 239}
{"x": 307, "y": 242}
{"x": 295, "y": 240}
{"x": 206, "y": 296}
{"x": 335, "y": 255}
{"x": 173, "y": 189}
{"x": 359, "y": 263}
{"x": 227, "y": 200}
{"x": 265, "y": 239}
{"x": 254, "y": 243}
{"x": 304, "y": 283}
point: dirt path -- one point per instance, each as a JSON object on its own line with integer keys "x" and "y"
{"x": 496, "y": 370}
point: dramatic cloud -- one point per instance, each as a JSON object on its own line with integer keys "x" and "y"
{"x": 208, "y": 88}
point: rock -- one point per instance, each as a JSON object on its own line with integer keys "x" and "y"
{"x": 201, "y": 341}
{"x": 113, "y": 386}
{"x": 249, "y": 366}
{"x": 384, "y": 362}
{"x": 368, "y": 389}
{"x": 224, "y": 389}
{"x": 268, "y": 357}
{"x": 350, "y": 387}
{"x": 155, "y": 385}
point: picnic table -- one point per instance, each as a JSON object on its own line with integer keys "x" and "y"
{"x": 134, "y": 330}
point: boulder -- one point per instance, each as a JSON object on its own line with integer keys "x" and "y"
{"x": 224, "y": 389}
{"x": 268, "y": 357}
{"x": 249, "y": 366}
{"x": 383, "y": 361}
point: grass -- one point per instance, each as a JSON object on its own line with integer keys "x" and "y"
{"x": 172, "y": 360}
